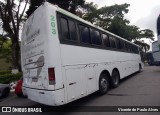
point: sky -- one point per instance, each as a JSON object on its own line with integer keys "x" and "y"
{"x": 142, "y": 13}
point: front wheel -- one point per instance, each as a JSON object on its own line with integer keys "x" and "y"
{"x": 103, "y": 84}
{"x": 115, "y": 79}
{"x": 140, "y": 68}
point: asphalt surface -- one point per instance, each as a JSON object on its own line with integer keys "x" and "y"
{"x": 139, "y": 89}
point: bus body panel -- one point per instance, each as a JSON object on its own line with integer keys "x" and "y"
{"x": 76, "y": 83}
{"x": 82, "y": 71}
{"x": 156, "y": 56}
{"x": 46, "y": 97}
{"x": 76, "y": 55}
{"x": 156, "y": 52}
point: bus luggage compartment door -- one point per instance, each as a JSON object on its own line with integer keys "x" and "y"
{"x": 76, "y": 83}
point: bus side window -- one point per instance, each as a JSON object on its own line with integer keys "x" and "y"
{"x": 134, "y": 49}
{"x": 106, "y": 40}
{"x": 126, "y": 46}
{"x": 112, "y": 41}
{"x": 122, "y": 44}
{"x": 118, "y": 43}
{"x": 64, "y": 29}
{"x": 72, "y": 30}
{"x": 95, "y": 35}
{"x": 137, "y": 50}
{"x": 84, "y": 34}
{"x": 129, "y": 47}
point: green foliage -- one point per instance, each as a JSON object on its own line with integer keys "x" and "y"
{"x": 144, "y": 46}
{"x": 12, "y": 18}
{"x": 5, "y": 72}
{"x": 103, "y": 16}
{"x": 69, "y": 5}
{"x": 4, "y": 65}
{"x": 146, "y": 33}
{"x": 8, "y": 78}
{"x": 6, "y": 51}
{"x": 119, "y": 27}
{"x": 2, "y": 40}
{"x": 91, "y": 10}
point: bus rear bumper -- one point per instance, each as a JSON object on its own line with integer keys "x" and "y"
{"x": 53, "y": 98}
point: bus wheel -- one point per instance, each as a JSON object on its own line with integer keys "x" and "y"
{"x": 103, "y": 84}
{"x": 140, "y": 68}
{"x": 115, "y": 79}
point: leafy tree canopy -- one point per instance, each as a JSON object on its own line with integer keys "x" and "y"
{"x": 5, "y": 49}
{"x": 69, "y": 5}
{"x": 3, "y": 39}
{"x": 11, "y": 21}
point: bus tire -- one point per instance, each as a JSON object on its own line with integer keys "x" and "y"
{"x": 115, "y": 79}
{"x": 140, "y": 68}
{"x": 103, "y": 84}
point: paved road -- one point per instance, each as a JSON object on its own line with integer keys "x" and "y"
{"x": 140, "y": 89}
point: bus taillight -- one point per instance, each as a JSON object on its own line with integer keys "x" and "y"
{"x": 51, "y": 75}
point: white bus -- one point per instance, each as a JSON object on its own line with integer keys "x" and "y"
{"x": 65, "y": 58}
{"x": 156, "y": 45}
{"x": 156, "y": 52}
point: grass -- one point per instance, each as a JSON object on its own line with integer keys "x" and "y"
{"x": 3, "y": 65}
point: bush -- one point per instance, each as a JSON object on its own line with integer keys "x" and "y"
{"x": 8, "y": 78}
{"x": 5, "y": 72}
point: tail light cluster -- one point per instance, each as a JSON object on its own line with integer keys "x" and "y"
{"x": 51, "y": 75}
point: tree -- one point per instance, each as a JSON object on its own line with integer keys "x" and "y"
{"x": 6, "y": 51}
{"x": 144, "y": 46}
{"x": 90, "y": 12}
{"x": 147, "y": 33}
{"x": 69, "y": 5}
{"x": 3, "y": 39}
{"x": 12, "y": 19}
{"x": 104, "y": 16}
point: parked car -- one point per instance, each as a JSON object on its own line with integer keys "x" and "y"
{"x": 18, "y": 88}
{"x": 4, "y": 90}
